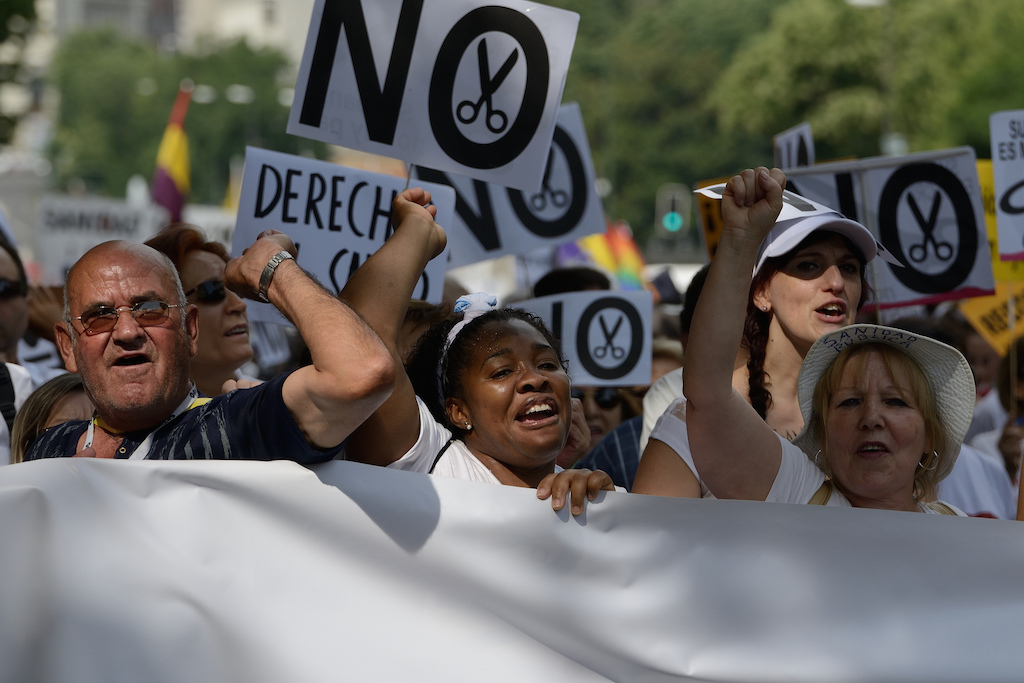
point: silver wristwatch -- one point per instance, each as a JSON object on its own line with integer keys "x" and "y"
{"x": 268, "y": 273}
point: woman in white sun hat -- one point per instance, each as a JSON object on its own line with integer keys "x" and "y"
{"x": 884, "y": 411}
{"x": 808, "y": 280}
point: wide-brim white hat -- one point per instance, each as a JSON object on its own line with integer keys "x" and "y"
{"x": 945, "y": 368}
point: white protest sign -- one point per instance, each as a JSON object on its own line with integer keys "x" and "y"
{"x": 1006, "y": 131}
{"x": 794, "y": 147}
{"x": 464, "y": 86}
{"x": 70, "y": 226}
{"x": 336, "y": 216}
{"x": 216, "y": 222}
{"x": 492, "y": 221}
{"x": 926, "y": 209}
{"x": 605, "y": 335}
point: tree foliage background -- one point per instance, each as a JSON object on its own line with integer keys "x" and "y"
{"x": 116, "y": 97}
{"x": 671, "y": 90}
{"x": 16, "y": 19}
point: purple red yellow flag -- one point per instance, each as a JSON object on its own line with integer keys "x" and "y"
{"x": 171, "y": 180}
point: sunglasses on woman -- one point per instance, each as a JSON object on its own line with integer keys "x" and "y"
{"x": 606, "y": 398}
{"x": 209, "y": 292}
{"x": 12, "y": 288}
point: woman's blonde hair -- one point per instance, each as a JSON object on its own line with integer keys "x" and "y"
{"x": 913, "y": 387}
{"x": 35, "y": 413}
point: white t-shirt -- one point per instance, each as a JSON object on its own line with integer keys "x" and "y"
{"x": 456, "y": 463}
{"x": 658, "y": 398}
{"x": 670, "y": 429}
{"x": 22, "y": 388}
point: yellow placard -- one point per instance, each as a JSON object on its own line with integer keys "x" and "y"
{"x": 710, "y": 212}
{"x": 1004, "y": 271}
{"x": 989, "y": 315}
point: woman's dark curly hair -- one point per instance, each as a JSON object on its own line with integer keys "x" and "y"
{"x": 422, "y": 366}
{"x": 755, "y": 327}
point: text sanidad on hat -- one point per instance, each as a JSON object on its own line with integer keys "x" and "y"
{"x": 946, "y": 370}
{"x": 799, "y": 218}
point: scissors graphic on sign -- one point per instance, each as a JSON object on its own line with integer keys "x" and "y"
{"x": 468, "y": 112}
{"x": 919, "y": 252}
{"x": 609, "y": 340}
{"x": 559, "y": 198}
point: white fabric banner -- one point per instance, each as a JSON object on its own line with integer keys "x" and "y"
{"x": 252, "y": 572}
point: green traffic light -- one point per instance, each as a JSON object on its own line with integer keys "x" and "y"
{"x": 672, "y": 221}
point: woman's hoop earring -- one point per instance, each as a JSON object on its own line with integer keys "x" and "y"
{"x": 817, "y": 458}
{"x": 935, "y": 462}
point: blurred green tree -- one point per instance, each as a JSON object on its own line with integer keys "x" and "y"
{"x": 16, "y": 20}
{"x": 116, "y": 96}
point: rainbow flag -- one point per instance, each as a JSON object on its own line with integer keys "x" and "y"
{"x": 616, "y": 253}
{"x": 171, "y": 180}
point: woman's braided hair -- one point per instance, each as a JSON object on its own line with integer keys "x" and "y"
{"x": 433, "y": 384}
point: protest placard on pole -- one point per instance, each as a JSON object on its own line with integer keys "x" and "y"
{"x": 492, "y": 221}
{"x": 1006, "y": 132}
{"x": 605, "y": 335}
{"x": 336, "y": 216}
{"x": 926, "y": 209}
{"x": 464, "y": 86}
{"x": 794, "y": 147}
{"x": 70, "y": 226}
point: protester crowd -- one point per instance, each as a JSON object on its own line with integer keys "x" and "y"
{"x": 789, "y": 390}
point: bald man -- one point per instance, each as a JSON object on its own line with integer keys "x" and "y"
{"x": 130, "y": 333}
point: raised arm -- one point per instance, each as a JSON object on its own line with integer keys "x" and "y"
{"x": 380, "y": 291}
{"x": 735, "y": 451}
{"x": 352, "y": 372}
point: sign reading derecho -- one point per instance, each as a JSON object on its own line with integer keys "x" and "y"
{"x": 70, "y": 226}
{"x": 926, "y": 209}
{"x": 605, "y": 335}
{"x": 1006, "y": 130}
{"x": 459, "y": 85}
{"x": 337, "y": 217}
{"x": 492, "y": 221}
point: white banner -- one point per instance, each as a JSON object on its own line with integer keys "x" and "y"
{"x": 1006, "y": 131}
{"x": 70, "y": 226}
{"x": 492, "y": 221}
{"x": 926, "y": 209}
{"x": 336, "y": 216}
{"x": 606, "y": 335}
{"x": 464, "y": 86}
{"x": 263, "y": 572}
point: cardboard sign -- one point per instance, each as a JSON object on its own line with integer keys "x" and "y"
{"x": 1006, "y": 131}
{"x": 709, "y": 210}
{"x": 336, "y": 216}
{"x": 1004, "y": 271}
{"x": 926, "y": 209}
{"x": 463, "y": 86}
{"x": 606, "y": 335}
{"x": 70, "y": 226}
{"x": 794, "y": 147}
{"x": 492, "y": 221}
{"x": 990, "y": 315}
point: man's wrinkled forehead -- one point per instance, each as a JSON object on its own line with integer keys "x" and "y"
{"x": 112, "y": 270}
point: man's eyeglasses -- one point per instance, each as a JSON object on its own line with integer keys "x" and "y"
{"x": 606, "y": 398}
{"x": 209, "y": 292}
{"x": 146, "y": 314}
{"x": 12, "y": 288}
